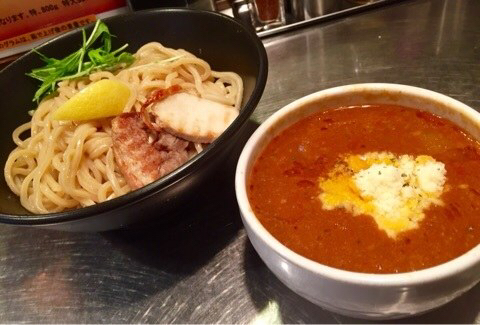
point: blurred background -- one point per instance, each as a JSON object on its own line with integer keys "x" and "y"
{"x": 27, "y": 24}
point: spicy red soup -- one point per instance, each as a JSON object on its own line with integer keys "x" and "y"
{"x": 377, "y": 189}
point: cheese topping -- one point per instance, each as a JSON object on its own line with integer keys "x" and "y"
{"x": 394, "y": 190}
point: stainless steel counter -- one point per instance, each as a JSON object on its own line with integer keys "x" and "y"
{"x": 202, "y": 268}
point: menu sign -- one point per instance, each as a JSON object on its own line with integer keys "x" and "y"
{"x": 26, "y": 24}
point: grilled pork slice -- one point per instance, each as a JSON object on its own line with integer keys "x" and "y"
{"x": 142, "y": 161}
{"x": 193, "y": 118}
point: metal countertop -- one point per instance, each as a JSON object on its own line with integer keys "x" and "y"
{"x": 202, "y": 269}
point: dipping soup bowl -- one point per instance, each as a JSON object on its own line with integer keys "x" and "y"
{"x": 362, "y": 295}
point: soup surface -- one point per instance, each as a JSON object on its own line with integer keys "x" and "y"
{"x": 321, "y": 188}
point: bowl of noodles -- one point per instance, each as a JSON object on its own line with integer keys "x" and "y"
{"x": 113, "y": 142}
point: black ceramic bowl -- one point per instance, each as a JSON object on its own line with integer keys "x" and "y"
{"x": 223, "y": 42}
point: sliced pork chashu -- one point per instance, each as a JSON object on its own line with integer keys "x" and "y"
{"x": 193, "y": 118}
{"x": 142, "y": 161}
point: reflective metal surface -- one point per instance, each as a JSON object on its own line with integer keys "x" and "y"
{"x": 202, "y": 268}
{"x": 301, "y": 14}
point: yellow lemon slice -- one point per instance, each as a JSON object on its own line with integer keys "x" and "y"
{"x": 103, "y": 98}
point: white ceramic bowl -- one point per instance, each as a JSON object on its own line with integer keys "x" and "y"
{"x": 362, "y": 295}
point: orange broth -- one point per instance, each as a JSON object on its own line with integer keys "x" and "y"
{"x": 283, "y": 189}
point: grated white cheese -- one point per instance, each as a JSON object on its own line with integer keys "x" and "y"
{"x": 383, "y": 183}
{"x": 394, "y": 190}
{"x": 431, "y": 176}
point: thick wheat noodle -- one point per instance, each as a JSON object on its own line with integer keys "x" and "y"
{"x": 60, "y": 165}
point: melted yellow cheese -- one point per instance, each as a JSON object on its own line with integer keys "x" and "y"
{"x": 394, "y": 190}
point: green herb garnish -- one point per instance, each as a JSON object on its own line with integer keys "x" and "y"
{"x": 81, "y": 62}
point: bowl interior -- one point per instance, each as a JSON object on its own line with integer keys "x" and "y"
{"x": 370, "y": 94}
{"x": 224, "y": 43}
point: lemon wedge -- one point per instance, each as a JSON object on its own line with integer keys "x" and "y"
{"x": 103, "y": 98}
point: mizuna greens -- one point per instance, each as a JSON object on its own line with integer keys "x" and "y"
{"x": 81, "y": 62}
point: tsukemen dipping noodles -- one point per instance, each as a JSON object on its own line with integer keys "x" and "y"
{"x": 375, "y": 189}
{"x": 109, "y": 122}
